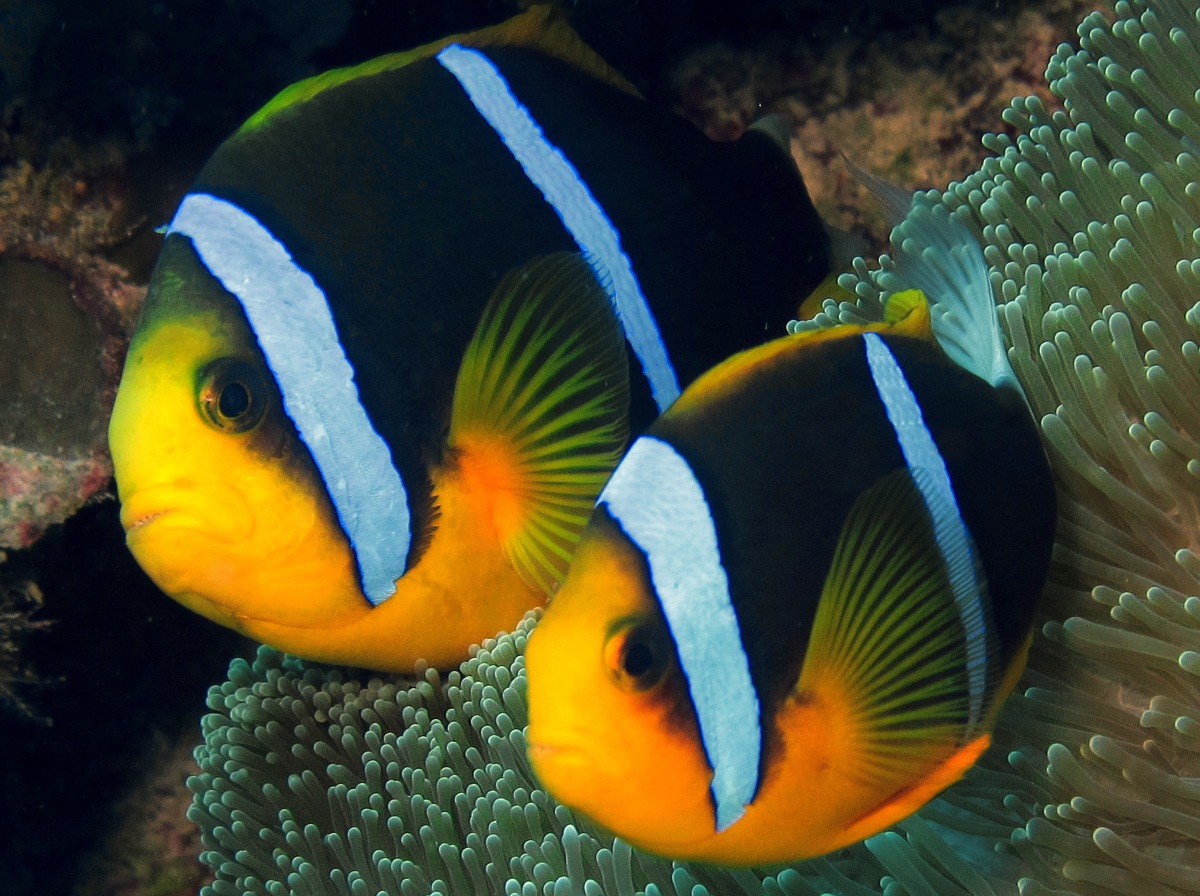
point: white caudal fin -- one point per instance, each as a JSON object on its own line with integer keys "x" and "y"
{"x": 936, "y": 253}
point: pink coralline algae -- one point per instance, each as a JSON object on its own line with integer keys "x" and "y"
{"x": 66, "y": 309}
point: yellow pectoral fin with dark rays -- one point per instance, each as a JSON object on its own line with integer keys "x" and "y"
{"x": 888, "y": 647}
{"x": 541, "y": 410}
{"x": 908, "y": 800}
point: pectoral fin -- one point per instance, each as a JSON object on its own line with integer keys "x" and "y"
{"x": 908, "y": 800}
{"x": 540, "y": 414}
{"x": 889, "y": 647}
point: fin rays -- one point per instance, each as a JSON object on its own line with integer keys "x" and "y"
{"x": 887, "y": 631}
{"x": 545, "y": 378}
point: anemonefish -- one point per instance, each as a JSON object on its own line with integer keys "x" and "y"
{"x": 807, "y": 588}
{"x": 369, "y": 404}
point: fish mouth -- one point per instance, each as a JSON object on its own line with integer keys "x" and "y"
{"x": 567, "y": 768}
{"x": 558, "y": 749}
{"x": 135, "y": 516}
{"x": 217, "y": 511}
{"x": 133, "y": 523}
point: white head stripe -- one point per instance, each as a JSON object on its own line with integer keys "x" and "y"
{"x": 928, "y": 469}
{"x": 551, "y": 172}
{"x": 291, "y": 320}
{"x": 656, "y": 500}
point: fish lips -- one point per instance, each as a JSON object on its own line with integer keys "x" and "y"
{"x": 214, "y": 511}
{"x": 557, "y": 755}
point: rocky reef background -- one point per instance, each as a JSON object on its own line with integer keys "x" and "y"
{"x": 107, "y": 112}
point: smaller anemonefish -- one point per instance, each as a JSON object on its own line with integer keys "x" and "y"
{"x": 807, "y": 588}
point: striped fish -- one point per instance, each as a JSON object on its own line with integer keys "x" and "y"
{"x": 403, "y": 322}
{"x": 806, "y": 590}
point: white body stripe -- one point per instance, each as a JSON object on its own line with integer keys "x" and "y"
{"x": 928, "y": 470}
{"x": 655, "y": 498}
{"x": 552, "y": 173}
{"x": 292, "y": 322}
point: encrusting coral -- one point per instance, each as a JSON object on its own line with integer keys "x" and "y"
{"x": 60, "y": 294}
{"x": 1090, "y": 221}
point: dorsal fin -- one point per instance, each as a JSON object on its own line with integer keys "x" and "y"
{"x": 543, "y": 28}
{"x": 888, "y": 640}
{"x": 906, "y": 314}
{"x": 541, "y": 409}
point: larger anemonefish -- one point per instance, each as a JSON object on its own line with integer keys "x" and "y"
{"x": 807, "y": 588}
{"x": 369, "y": 404}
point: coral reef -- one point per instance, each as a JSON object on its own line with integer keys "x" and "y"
{"x": 67, "y": 204}
{"x": 1089, "y": 216}
{"x": 66, "y": 310}
{"x": 909, "y": 104}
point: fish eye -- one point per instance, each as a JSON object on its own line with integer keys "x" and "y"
{"x": 638, "y": 655}
{"x": 233, "y": 395}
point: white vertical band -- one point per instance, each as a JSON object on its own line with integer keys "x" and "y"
{"x": 290, "y": 317}
{"x": 552, "y": 173}
{"x": 928, "y": 470}
{"x": 655, "y": 498}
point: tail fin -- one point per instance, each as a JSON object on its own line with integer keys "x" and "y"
{"x": 936, "y": 253}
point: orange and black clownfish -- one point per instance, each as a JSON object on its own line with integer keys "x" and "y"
{"x": 807, "y": 588}
{"x": 369, "y": 402}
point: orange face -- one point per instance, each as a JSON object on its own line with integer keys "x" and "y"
{"x": 221, "y": 503}
{"x": 225, "y": 510}
{"x": 611, "y": 726}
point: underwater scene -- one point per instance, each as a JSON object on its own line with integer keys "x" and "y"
{"x": 600, "y": 448}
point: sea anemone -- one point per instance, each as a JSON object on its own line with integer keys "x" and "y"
{"x": 314, "y": 783}
{"x": 1090, "y": 219}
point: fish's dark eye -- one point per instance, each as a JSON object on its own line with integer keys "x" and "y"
{"x": 233, "y": 395}
{"x": 233, "y": 401}
{"x": 639, "y": 655}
